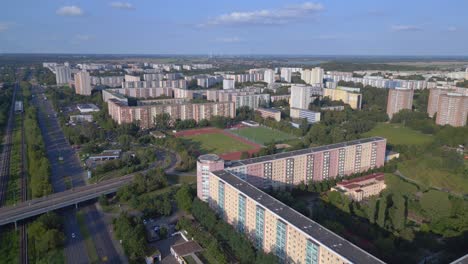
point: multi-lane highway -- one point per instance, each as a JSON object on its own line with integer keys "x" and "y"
{"x": 67, "y": 172}
{"x": 34, "y": 207}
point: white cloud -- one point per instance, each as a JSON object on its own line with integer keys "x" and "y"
{"x": 451, "y": 29}
{"x": 70, "y": 11}
{"x": 122, "y": 5}
{"x": 4, "y": 26}
{"x": 267, "y": 16}
{"x": 399, "y": 28}
{"x": 82, "y": 37}
{"x": 229, "y": 40}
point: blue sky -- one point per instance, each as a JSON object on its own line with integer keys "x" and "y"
{"x": 329, "y": 27}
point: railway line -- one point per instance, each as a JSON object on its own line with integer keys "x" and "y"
{"x": 24, "y": 195}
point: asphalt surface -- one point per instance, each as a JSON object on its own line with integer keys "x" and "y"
{"x": 68, "y": 173}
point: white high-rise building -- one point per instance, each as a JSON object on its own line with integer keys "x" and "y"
{"x": 301, "y": 96}
{"x": 62, "y": 75}
{"x": 83, "y": 83}
{"x": 228, "y": 84}
{"x": 313, "y": 76}
{"x": 269, "y": 76}
{"x": 286, "y": 74}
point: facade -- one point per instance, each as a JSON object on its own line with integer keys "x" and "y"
{"x": 131, "y": 78}
{"x": 229, "y": 84}
{"x": 313, "y": 76}
{"x": 302, "y": 95}
{"x": 81, "y": 118}
{"x": 348, "y": 97}
{"x": 179, "y": 83}
{"x": 312, "y": 164}
{"x": 269, "y": 76}
{"x": 363, "y": 187}
{"x": 286, "y": 97}
{"x": 251, "y": 100}
{"x": 311, "y": 116}
{"x": 269, "y": 113}
{"x": 452, "y": 109}
{"x": 144, "y": 114}
{"x": 83, "y": 83}
{"x": 112, "y": 81}
{"x": 271, "y": 225}
{"x": 286, "y": 74}
{"x": 62, "y": 75}
{"x": 399, "y": 99}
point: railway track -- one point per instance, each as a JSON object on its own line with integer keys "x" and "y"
{"x": 24, "y": 196}
{"x": 6, "y": 151}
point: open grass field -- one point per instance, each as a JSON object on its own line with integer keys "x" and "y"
{"x": 263, "y": 135}
{"x": 397, "y": 134}
{"x": 422, "y": 171}
{"x": 218, "y": 143}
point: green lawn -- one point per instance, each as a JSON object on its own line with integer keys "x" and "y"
{"x": 217, "y": 143}
{"x": 89, "y": 243}
{"x": 263, "y": 135}
{"x": 423, "y": 171}
{"x": 397, "y": 134}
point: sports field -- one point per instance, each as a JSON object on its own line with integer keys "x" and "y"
{"x": 218, "y": 143}
{"x": 397, "y": 134}
{"x": 213, "y": 140}
{"x": 262, "y": 135}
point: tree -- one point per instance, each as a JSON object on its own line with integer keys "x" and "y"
{"x": 162, "y": 121}
{"x": 184, "y": 197}
{"x": 304, "y": 126}
{"x": 244, "y": 155}
{"x": 382, "y": 211}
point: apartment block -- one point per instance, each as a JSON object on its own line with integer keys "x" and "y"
{"x": 311, "y": 116}
{"x": 253, "y": 101}
{"x": 143, "y": 93}
{"x": 269, "y": 113}
{"x": 286, "y": 74}
{"x": 179, "y": 83}
{"x": 83, "y": 83}
{"x": 62, "y": 75}
{"x": 313, "y": 76}
{"x": 131, "y": 78}
{"x": 363, "y": 187}
{"x": 399, "y": 99}
{"x": 143, "y": 114}
{"x": 271, "y": 225}
{"x": 274, "y": 98}
{"x": 353, "y": 99}
{"x": 452, "y": 109}
{"x": 302, "y": 95}
{"x": 229, "y": 84}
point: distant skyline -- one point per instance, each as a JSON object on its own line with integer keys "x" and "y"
{"x": 362, "y": 27}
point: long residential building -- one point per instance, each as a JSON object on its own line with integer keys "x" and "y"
{"x": 179, "y": 83}
{"x": 144, "y": 114}
{"x": 348, "y": 97}
{"x": 311, "y": 164}
{"x": 141, "y": 92}
{"x": 399, "y": 99}
{"x": 273, "y": 226}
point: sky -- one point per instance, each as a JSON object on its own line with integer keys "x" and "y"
{"x": 227, "y": 27}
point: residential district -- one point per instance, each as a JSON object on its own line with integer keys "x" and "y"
{"x": 217, "y": 161}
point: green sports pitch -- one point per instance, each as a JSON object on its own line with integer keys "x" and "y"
{"x": 263, "y": 135}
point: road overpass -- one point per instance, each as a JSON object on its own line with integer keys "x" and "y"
{"x": 34, "y": 207}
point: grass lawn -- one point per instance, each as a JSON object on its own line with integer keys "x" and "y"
{"x": 263, "y": 135}
{"x": 422, "y": 171}
{"x": 217, "y": 143}
{"x": 178, "y": 179}
{"x": 397, "y": 134}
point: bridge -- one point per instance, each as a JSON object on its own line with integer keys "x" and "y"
{"x": 34, "y": 207}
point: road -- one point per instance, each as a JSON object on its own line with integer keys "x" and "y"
{"x": 68, "y": 173}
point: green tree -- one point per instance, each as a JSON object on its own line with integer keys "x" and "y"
{"x": 184, "y": 198}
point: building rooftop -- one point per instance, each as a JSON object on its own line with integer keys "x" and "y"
{"x": 87, "y": 107}
{"x": 317, "y": 232}
{"x": 304, "y": 151}
{"x": 272, "y": 110}
{"x": 208, "y": 157}
{"x": 186, "y": 248}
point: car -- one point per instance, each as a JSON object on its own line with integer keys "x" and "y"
{"x": 73, "y": 235}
